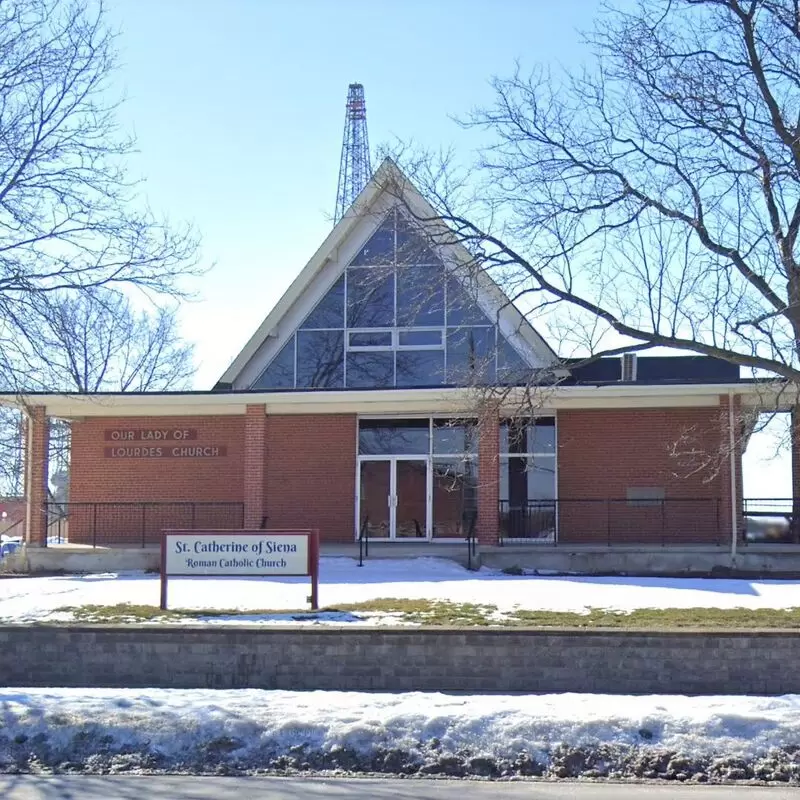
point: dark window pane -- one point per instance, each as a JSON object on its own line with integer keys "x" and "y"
{"x": 525, "y": 479}
{"x": 420, "y": 296}
{"x": 380, "y": 247}
{"x": 455, "y": 497}
{"x": 329, "y": 312}
{"x": 454, "y": 438}
{"x": 370, "y": 370}
{"x": 371, "y": 339}
{"x": 280, "y": 373}
{"x": 528, "y": 436}
{"x": 420, "y": 368}
{"x": 412, "y": 245}
{"x": 320, "y": 359}
{"x": 370, "y": 298}
{"x": 419, "y": 338}
{"x": 511, "y": 368}
{"x": 393, "y": 437}
{"x": 470, "y": 356}
{"x": 462, "y": 305}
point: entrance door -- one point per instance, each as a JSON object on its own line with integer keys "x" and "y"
{"x": 394, "y": 498}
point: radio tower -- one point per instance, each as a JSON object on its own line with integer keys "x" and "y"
{"x": 355, "y": 169}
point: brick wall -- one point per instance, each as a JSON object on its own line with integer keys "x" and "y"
{"x": 617, "y": 662}
{"x": 603, "y": 453}
{"x": 96, "y": 478}
{"x": 310, "y": 474}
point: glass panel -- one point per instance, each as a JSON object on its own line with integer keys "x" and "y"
{"x": 420, "y": 296}
{"x": 414, "y": 338}
{"x": 455, "y": 497}
{"x": 510, "y": 366}
{"x": 370, "y": 298}
{"x": 280, "y": 373}
{"x": 462, "y": 305}
{"x": 412, "y": 245}
{"x": 419, "y": 368}
{"x": 371, "y": 339}
{"x": 375, "y": 495}
{"x": 370, "y": 370}
{"x": 320, "y": 359}
{"x": 454, "y": 438}
{"x": 394, "y": 437}
{"x": 523, "y": 480}
{"x": 329, "y": 312}
{"x": 470, "y": 356}
{"x": 411, "y": 510}
{"x": 380, "y": 247}
{"x": 524, "y": 436}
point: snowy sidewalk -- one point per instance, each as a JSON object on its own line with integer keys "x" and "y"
{"x": 553, "y": 735}
{"x": 343, "y": 582}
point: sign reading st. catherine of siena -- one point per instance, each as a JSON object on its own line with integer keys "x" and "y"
{"x": 259, "y": 553}
{"x": 220, "y": 553}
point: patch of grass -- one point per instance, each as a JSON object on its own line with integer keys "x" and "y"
{"x": 663, "y": 619}
{"x": 440, "y": 613}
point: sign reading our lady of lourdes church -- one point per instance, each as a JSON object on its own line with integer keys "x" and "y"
{"x": 240, "y": 553}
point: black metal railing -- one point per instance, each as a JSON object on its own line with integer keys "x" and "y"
{"x": 679, "y": 521}
{"x": 363, "y": 542}
{"x": 771, "y": 520}
{"x": 470, "y": 521}
{"x": 135, "y": 524}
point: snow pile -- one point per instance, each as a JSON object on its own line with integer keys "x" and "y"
{"x": 562, "y": 735}
{"x": 343, "y": 582}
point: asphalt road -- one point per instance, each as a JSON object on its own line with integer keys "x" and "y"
{"x": 175, "y": 787}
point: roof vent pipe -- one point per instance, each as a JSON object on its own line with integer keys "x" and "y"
{"x": 628, "y": 371}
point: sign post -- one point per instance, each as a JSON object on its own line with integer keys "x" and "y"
{"x": 226, "y": 553}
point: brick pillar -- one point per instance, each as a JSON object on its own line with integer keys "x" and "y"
{"x": 488, "y": 525}
{"x": 37, "y": 445}
{"x": 255, "y": 440}
{"x": 725, "y": 468}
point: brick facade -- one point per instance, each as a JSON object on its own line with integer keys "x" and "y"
{"x": 310, "y": 474}
{"x": 255, "y": 442}
{"x": 170, "y": 484}
{"x": 37, "y": 433}
{"x": 299, "y": 471}
{"x": 603, "y": 454}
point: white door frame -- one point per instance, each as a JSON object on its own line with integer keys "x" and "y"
{"x": 391, "y": 500}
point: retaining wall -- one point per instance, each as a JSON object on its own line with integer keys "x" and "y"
{"x": 446, "y": 660}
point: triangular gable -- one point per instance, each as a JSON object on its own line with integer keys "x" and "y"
{"x": 376, "y": 240}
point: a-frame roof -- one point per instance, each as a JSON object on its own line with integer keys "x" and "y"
{"x": 389, "y": 186}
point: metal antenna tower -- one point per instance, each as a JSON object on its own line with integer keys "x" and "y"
{"x": 355, "y": 169}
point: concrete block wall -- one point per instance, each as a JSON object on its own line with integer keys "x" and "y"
{"x": 625, "y": 662}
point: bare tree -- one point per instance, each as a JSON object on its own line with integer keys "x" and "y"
{"x": 97, "y": 341}
{"x": 89, "y": 342}
{"x": 70, "y": 218}
{"x": 655, "y": 197}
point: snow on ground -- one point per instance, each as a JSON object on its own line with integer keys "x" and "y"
{"x": 252, "y": 728}
{"x": 343, "y": 581}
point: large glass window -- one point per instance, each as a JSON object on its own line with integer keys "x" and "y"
{"x": 396, "y": 318}
{"x": 320, "y": 359}
{"x": 528, "y": 478}
{"x": 280, "y": 373}
{"x": 329, "y": 312}
{"x": 393, "y": 437}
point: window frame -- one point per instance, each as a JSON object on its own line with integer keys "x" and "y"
{"x": 395, "y": 345}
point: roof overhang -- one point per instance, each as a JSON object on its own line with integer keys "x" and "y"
{"x": 396, "y": 401}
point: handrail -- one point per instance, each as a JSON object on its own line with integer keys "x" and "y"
{"x": 363, "y": 542}
{"x": 471, "y": 519}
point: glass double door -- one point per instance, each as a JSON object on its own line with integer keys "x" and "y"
{"x": 394, "y": 500}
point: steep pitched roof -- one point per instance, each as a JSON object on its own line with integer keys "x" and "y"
{"x": 388, "y": 187}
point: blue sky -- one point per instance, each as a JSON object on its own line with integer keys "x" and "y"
{"x": 238, "y": 108}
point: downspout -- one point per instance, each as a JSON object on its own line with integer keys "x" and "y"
{"x": 732, "y": 470}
